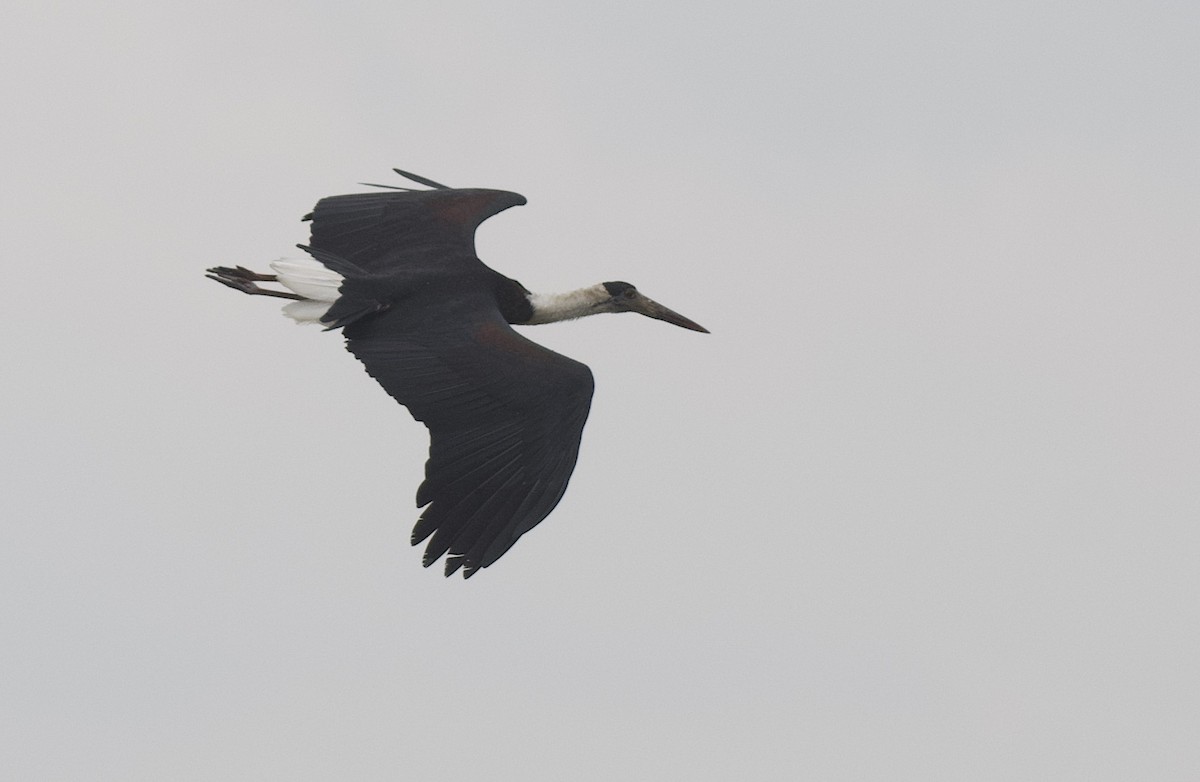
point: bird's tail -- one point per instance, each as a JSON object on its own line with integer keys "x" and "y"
{"x": 354, "y": 298}
{"x": 317, "y": 284}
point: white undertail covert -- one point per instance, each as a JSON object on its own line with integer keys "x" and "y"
{"x": 317, "y": 284}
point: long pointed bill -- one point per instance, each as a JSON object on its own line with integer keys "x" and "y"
{"x": 652, "y": 309}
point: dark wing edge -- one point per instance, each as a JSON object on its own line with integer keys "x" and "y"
{"x": 379, "y": 231}
{"x": 505, "y": 417}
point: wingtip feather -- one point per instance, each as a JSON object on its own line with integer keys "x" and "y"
{"x": 421, "y": 180}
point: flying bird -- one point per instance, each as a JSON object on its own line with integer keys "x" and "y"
{"x": 397, "y": 271}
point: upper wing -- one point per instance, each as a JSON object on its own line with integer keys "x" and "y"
{"x": 505, "y": 416}
{"x": 415, "y": 229}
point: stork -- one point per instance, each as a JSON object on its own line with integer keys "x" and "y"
{"x": 398, "y": 273}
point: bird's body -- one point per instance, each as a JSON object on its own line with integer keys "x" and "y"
{"x": 431, "y": 323}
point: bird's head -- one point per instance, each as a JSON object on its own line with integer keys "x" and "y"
{"x": 623, "y": 297}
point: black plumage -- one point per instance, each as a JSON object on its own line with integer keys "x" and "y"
{"x": 505, "y": 415}
{"x": 431, "y": 323}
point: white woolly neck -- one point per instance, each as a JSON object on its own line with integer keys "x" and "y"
{"x": 553, "y": 307}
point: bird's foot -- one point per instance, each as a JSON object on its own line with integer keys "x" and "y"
{"x": 242, "y": 279}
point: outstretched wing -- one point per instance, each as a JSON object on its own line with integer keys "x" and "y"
{"x": 505, "y": 417}
{"x": 416, "y": 230}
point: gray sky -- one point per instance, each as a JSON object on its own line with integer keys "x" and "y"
{"x": 923, "y": 506}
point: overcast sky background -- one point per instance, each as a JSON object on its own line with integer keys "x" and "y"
{"x": 923, "y": 506}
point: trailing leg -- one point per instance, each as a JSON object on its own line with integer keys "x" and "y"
{"x": 242, "y": 279}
